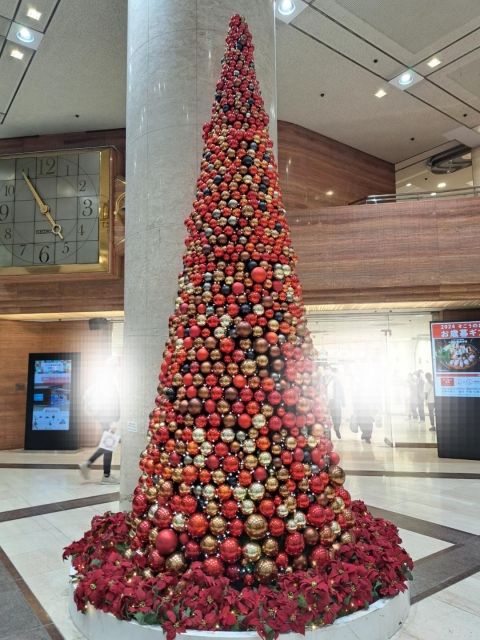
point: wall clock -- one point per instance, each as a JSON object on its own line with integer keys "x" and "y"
{"x": 55, "y": 210}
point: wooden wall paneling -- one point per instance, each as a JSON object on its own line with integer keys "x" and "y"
{"x": 407, "y": 251}
{"x": 77, "y": 140}
{"x": 17, "y": 340}
{"x": 311, "y": 164}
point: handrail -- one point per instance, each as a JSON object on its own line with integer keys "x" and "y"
{"x": 419, "y": 195}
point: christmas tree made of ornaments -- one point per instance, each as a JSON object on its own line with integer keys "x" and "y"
{"x": 240, "y": 503}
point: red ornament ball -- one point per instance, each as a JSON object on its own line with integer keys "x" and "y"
{"x": 155, "y": 560}
{"x": 258, "y": 274}
{"x": 316, "y": 515}
{"x": 319, "y": 557}
{"x": 213, "y": 567}
{"x": 197, "y": 525}
{"x": 166, "y": 541}
{"x": 230, "y": 550}
{"x": 294, "y": 543}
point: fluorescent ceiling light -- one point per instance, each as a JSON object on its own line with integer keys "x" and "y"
{"x": 380, "y": 93}
{"x": 434, "y": 62}
{"x": 329, "y": 193}
{"x": 24, "y": 35}
{"x": 409, "y": 184}
{"x": 440, "y": 185}
{"x": 33, "y": 13}
{"x": 286, "y": 7}
{"x": 17, "y": 54}
{"x": 405, "y": 78}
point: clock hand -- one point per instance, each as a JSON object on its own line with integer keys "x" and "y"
{"x": 44, "y": 208}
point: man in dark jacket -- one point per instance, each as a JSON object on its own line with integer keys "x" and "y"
{"x": 336, "y": 397}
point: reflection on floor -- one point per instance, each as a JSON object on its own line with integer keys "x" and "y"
{"x": 34, "y": 544}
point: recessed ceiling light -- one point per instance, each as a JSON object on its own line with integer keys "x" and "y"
{"x": 405, "y": 78}
{"x": 380, "y": 93}
{"x": 440, "y": 185}
{"x": 434, "y": 62}
{"x": 17, "y": 54}
{"x": 409, "y": 184}
{"x": 24, "y": 35}
{"x": 286, "y": 7}
{"x": 434, "y": 193}
{"x": 329, "y": 193}
{"x": 33, "y": 13}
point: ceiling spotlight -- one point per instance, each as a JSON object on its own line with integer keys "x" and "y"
{"x": 440, "y": 185}
{"x": 405, "y": 79}
{"x": 329, "y": 193}
{"x": 24, "y": 35}
{"x": 380, "y": 93}
{"x": 286, "y": 7}
{"x": 17, "y": 54}
{"x": 434, "y": 62}
{"x": 409, "y": 184}
{"x": 434, "y": 193}
{"x": 33, "y": 13}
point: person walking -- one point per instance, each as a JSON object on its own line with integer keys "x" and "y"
{"x": 336, "y": 398}
{"x": 421, "y": 395}
{"x": 365, "y": 407}
{"x": 102, "y": 402}
{"x": 430, "y": 400}
{"x": 412, "y": 383}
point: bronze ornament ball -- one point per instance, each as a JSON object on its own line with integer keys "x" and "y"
{"x": 256, "y": 526}
{"x": 265, "y": 571}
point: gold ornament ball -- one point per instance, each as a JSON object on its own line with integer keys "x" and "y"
{"x": 247, "y": 507}
{"x": 327, "y": 536}
{"x": 335, "y": 527}
{"x": 179, "y": 522}
{"x": 256, "y": 491}
{"x": 176, "y": 563}
{"x": 218, "y": 525}
{"x": 270, "y": 547}
{"x": 347, "y": 537}
{"x": 251, "y": 551}
{"x": 212, "y": 508}
{"x": 265, "y": 571}
{"x": 256, "y": 526}
{"x": 208, "y": 544}
{"x": 337, "y": 475}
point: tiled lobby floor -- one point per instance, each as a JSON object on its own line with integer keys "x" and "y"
{"x": 439, "y": 519}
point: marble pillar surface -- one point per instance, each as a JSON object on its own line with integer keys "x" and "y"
{"x": 476, "y": 166}
{"x": 174, "y": 53}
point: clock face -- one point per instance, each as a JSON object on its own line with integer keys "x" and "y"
{"x": 69, "y": 185}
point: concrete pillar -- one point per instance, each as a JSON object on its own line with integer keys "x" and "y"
{"x": 476, "y": 166}
{"x": 174, "y": 53}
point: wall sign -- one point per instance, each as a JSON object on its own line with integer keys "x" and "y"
{"x": 456, "y": 358}
{"x": 52, "y": 401}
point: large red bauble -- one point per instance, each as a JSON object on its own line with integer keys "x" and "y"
{"x": 260, "y": 474}
{"x": 213, "y": 567}
{"x": 213, "y": 462}
{"x": 166, "y": 541}
{"x": 276, "y": 527}
{"x": 155, "y": 560}
{"x": 294, "y": 543}
{"x": 258, "y": 274}
{"x": 197, "y": 525}
{"x": 233, "y": 572}
{"x": 230, "y": 550}
{"x": 229, "y": 509}
{"x": 334, "y": 458}
{"x": 319, "y": 557}
{"x": 189, "y": 504}
{"x": 202, "y": 354}
{"x": 316, "y": 515}
{"x": 139, "y": 504}
{"x": 238, "y": 288}
{"x": 267, "y": 508}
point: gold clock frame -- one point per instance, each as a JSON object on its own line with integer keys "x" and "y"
{"x": 105, "y": 260}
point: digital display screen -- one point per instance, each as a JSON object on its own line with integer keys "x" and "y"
{"x": 51, "y": 395}
{"x": 456, "y": 359}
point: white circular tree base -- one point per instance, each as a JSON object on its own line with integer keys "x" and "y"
{"x": 380, "y": 622}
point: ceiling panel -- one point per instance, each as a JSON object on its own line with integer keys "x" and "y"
{"x": 451, "y": 53}
{"x": 7, "y": 8}
{"x": 75, "y": 75}
{"x": 468, "y": 77}
{"x": 346, "y": 43}
{"x": 45, "y": 7}
{"x": 449, "y": 104}
{"x": 4, "y": 26}
{"x": 383, "y": 41}
{"x": 350, "y": 112}
{"x": 414, "y": 24}
{"x": 11, "y": 72}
